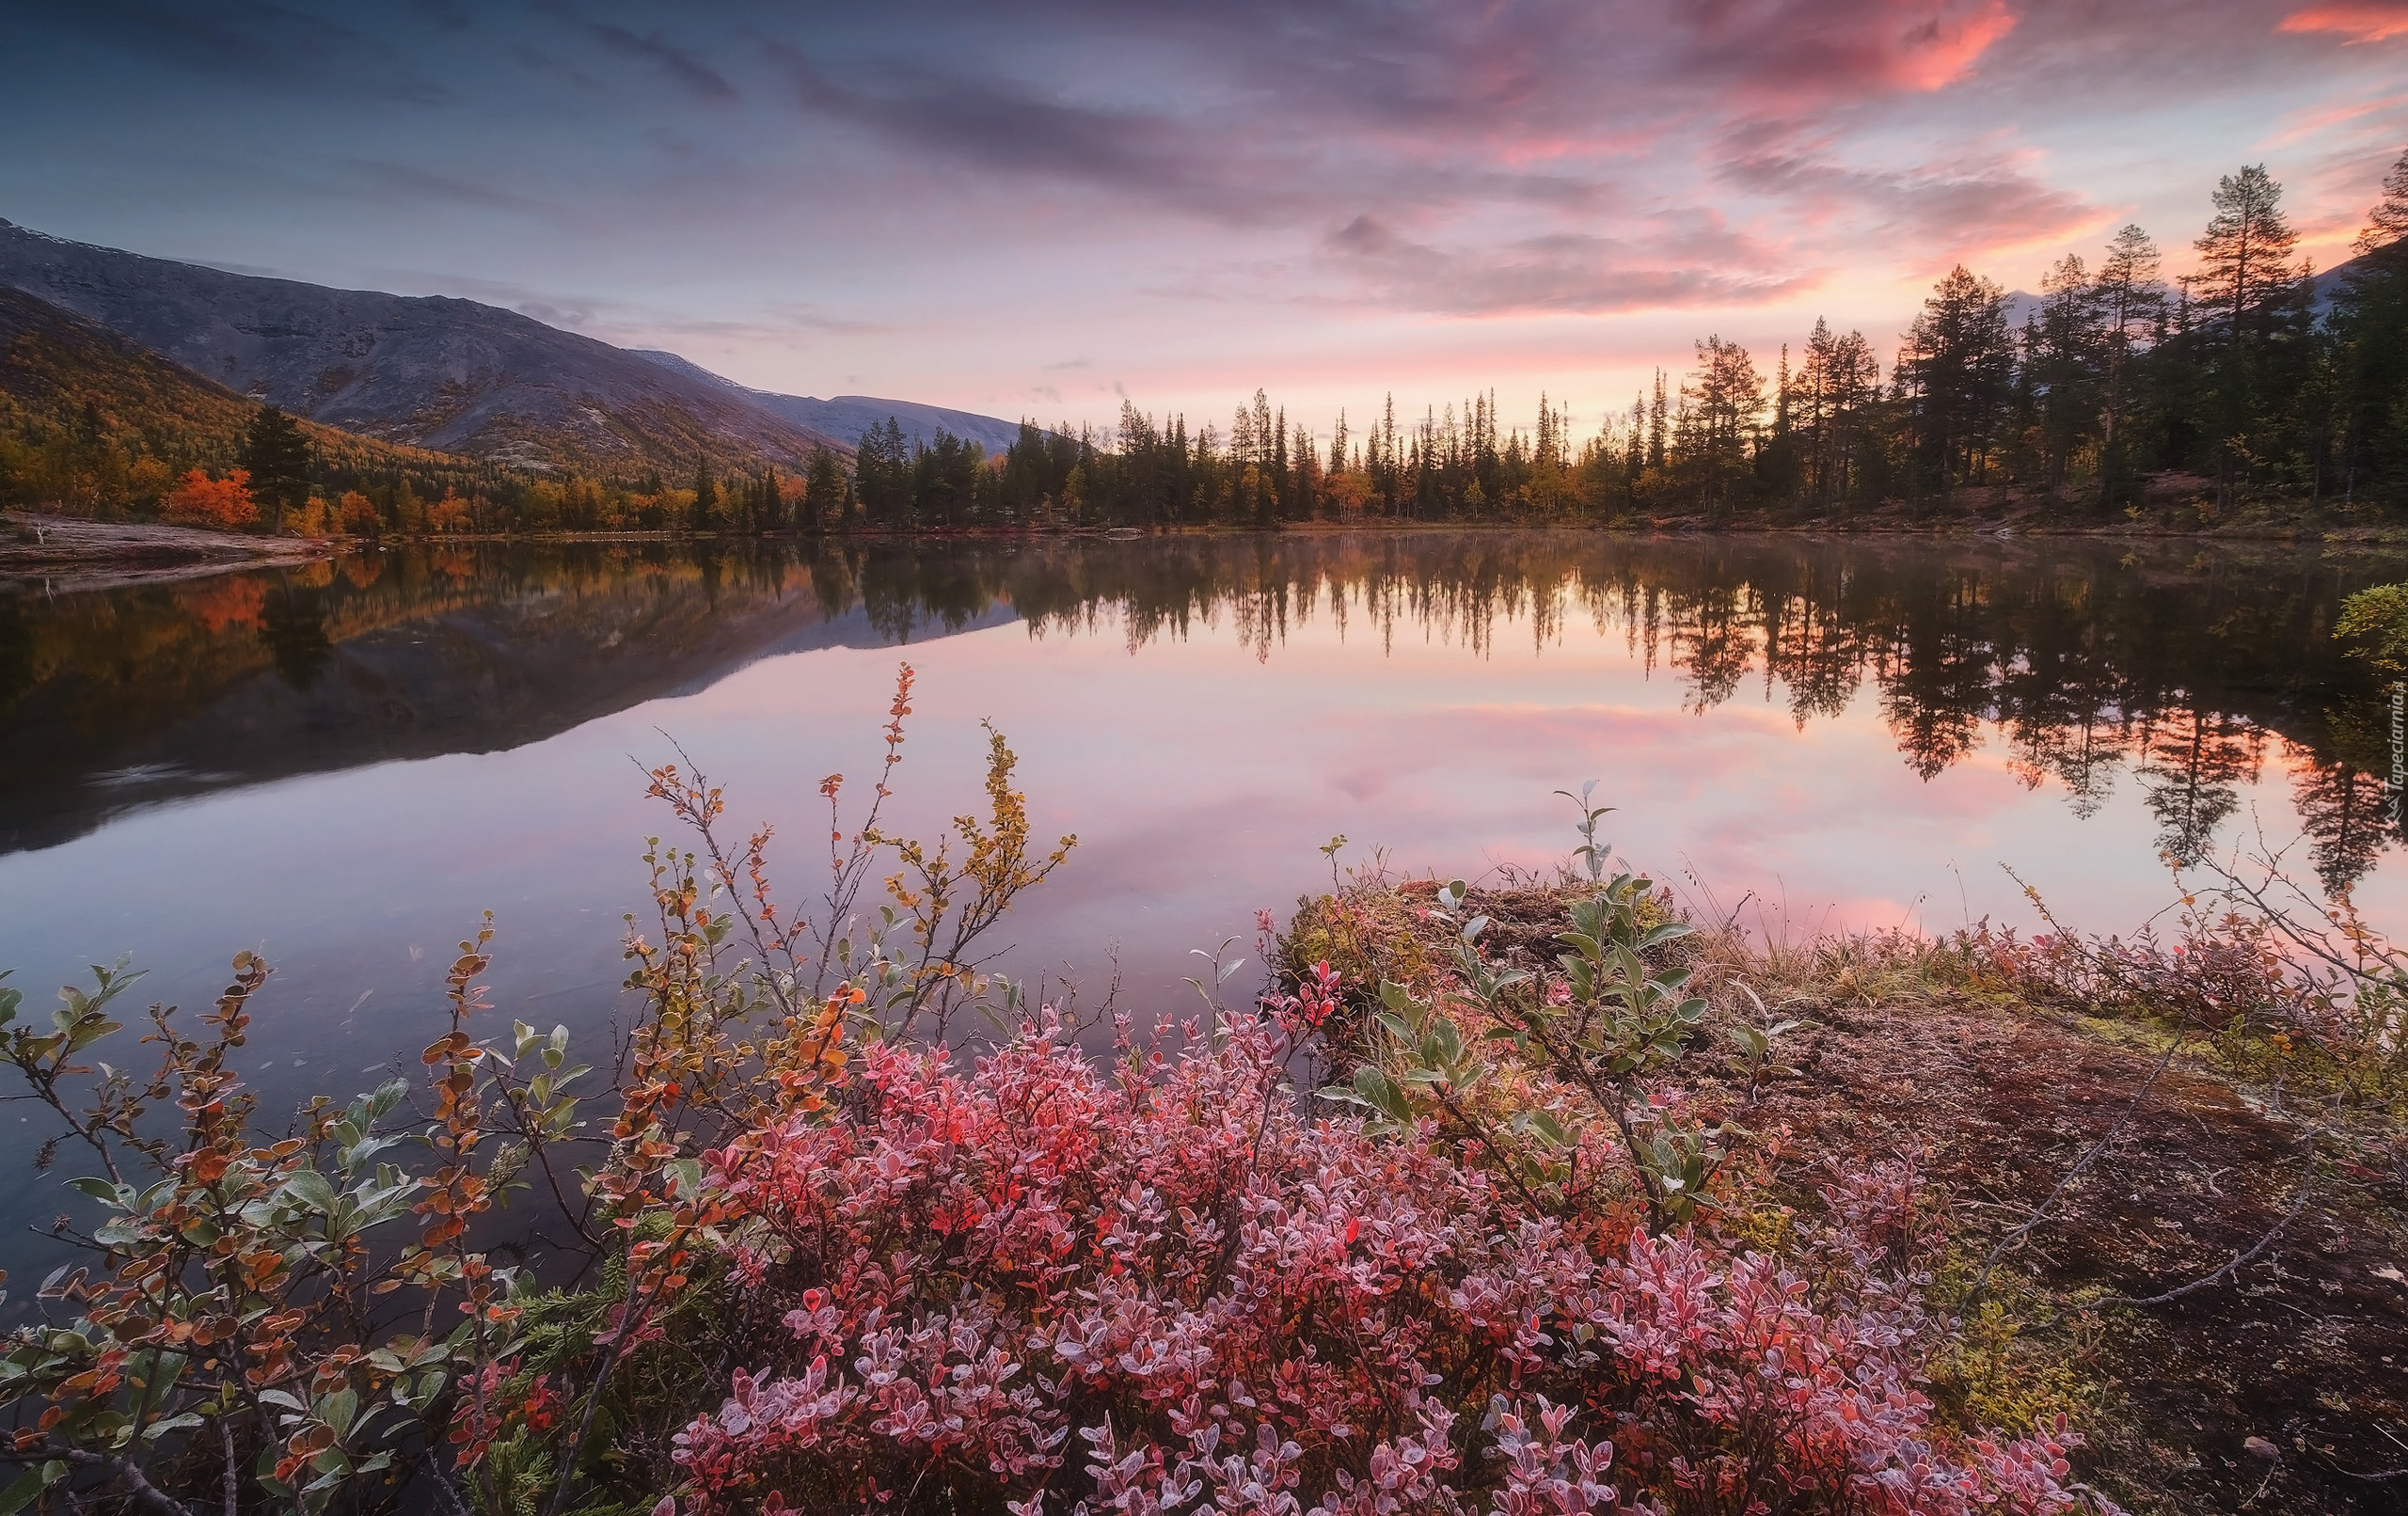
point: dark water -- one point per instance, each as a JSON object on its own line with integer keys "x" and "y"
{"x": 341, "y": 768}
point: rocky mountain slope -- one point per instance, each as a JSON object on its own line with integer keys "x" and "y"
{"x": 849, "y": 415}
{"x": 431, "y": 372}
{"x": 59, "y": 370}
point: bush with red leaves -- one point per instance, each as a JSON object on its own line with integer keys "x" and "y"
{"x": 1045, "y": 1285}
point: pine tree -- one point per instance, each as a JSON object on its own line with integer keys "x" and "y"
{"x": 2244, "y": 274}
{"x": 2245, "y": 253}
{"x": 1655, "y": 427}
{"x": 2130, "y": 302}
{"x": 1730, "y": 398}
{"x": 277, "y": 456}
{"x": 2064, "y": 359}
{"x": 2370, "y": 323}
{"x": 1957, "y": 366}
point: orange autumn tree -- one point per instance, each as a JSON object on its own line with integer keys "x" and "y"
{"x": 358, "y": 514}
{"x": 198, "y": 501}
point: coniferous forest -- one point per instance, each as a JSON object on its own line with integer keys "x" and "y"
{"x": 2253, "y": 384}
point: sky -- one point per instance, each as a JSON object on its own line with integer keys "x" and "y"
{"x": 1043, "y": 208}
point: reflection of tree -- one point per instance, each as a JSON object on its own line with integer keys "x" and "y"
{"x": 2085, "y": 655}
{"x": 2081, "y": 754}
{"x": 2193, "y": 759}
{"x": 292, "y": 623}
{"x": 1713, "y": 642}
{"x": 2059, "y": 698}
{"x": 2344, "y": 804}
{"x": 1936, "y": 676}
{"x": 16, "y": 652}
{"x": 1809, "y": 647}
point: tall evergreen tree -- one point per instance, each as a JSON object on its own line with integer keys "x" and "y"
{"x": 2371, "y": 327}
{"x": 2243, "y": 278}
{"x": 2131, "y": 303}
{"x": 1957, "y": 364}
{"x": 279, "y": 456}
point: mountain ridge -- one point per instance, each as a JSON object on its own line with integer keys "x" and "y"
{"x": 434, "y": 371}
{"x": 849, "y": 415}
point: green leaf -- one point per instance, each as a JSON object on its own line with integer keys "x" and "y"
{"x": 312, "y": 1189}
{"x": 20, "y": 1491}
{"x": 1383, "y": 1093}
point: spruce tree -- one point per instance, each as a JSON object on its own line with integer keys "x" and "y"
{"x": 277, "y": 456}
{"x": 2130, "y": 302}
{"x": 1958, "y": 366}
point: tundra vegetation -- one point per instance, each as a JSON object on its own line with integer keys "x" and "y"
{"x": 2248, "y": 393}
{"x": 1539, "y": 1198}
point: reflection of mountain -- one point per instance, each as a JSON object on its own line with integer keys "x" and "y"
{"x": 2183, "y": 669}
{"x": 122, "y": 700}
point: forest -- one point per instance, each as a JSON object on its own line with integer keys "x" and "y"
{"x": 2250, "y": 384}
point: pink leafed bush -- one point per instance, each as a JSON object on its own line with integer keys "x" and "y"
{"x": 1047, "y": 1286}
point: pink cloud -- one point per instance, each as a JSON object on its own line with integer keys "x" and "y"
{"x": 2360, "y": 20}
{"x": 1940, "y": 49}
{"x": 1797, "y": 52}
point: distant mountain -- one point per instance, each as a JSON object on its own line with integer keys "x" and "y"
{"x": 426, "y": 371}
{"x": 849, "y": 415}
{"x": 2023, "y": 303}
{"x": 54, "y": 363}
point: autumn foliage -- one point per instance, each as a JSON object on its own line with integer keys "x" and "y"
{"x": 225, "y": 504}
{"x": 1161, "y": 1284}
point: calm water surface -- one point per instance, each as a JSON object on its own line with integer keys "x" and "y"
{"x": 341, "y": 768}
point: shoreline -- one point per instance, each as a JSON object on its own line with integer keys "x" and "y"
{"x": 73, "y": 553}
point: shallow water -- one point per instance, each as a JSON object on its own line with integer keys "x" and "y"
{"x": 342, "y": 767}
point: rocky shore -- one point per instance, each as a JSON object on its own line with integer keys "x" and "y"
{"x": 67, "y": 552}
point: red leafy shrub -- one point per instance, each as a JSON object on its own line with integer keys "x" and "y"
{"x": 1040, "y": 1285}
{"x": 2225, "y": 974}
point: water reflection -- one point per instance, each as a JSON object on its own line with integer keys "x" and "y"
{"x": 2183, "y": 669}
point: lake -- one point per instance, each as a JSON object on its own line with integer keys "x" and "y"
{"x": 342, "y": 767}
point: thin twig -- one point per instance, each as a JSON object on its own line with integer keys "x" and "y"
{"x": 2040, "y": 1214}
{"x": 2239, "y": 1260}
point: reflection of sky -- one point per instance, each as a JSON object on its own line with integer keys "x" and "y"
{"x": 1199, "y": 778}
{"x": 1039, "y": 207}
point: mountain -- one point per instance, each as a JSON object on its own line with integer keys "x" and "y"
{"x": 849, "y": 415}
{"x": 58, "y": 368}
{"x": 426, "y": 371}
{"x": 2320, "y": 292}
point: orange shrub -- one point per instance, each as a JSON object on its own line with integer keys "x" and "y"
{"x": 225, "y": 504}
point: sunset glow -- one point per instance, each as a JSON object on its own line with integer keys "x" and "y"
{"x": 1043, "y": 211}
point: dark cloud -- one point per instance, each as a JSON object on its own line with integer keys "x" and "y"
{"x": 996, "y": 126}
{"x": 681, "y": 68}
{"x": 1938, "y": 207}
{"x": 260, "y": 45}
